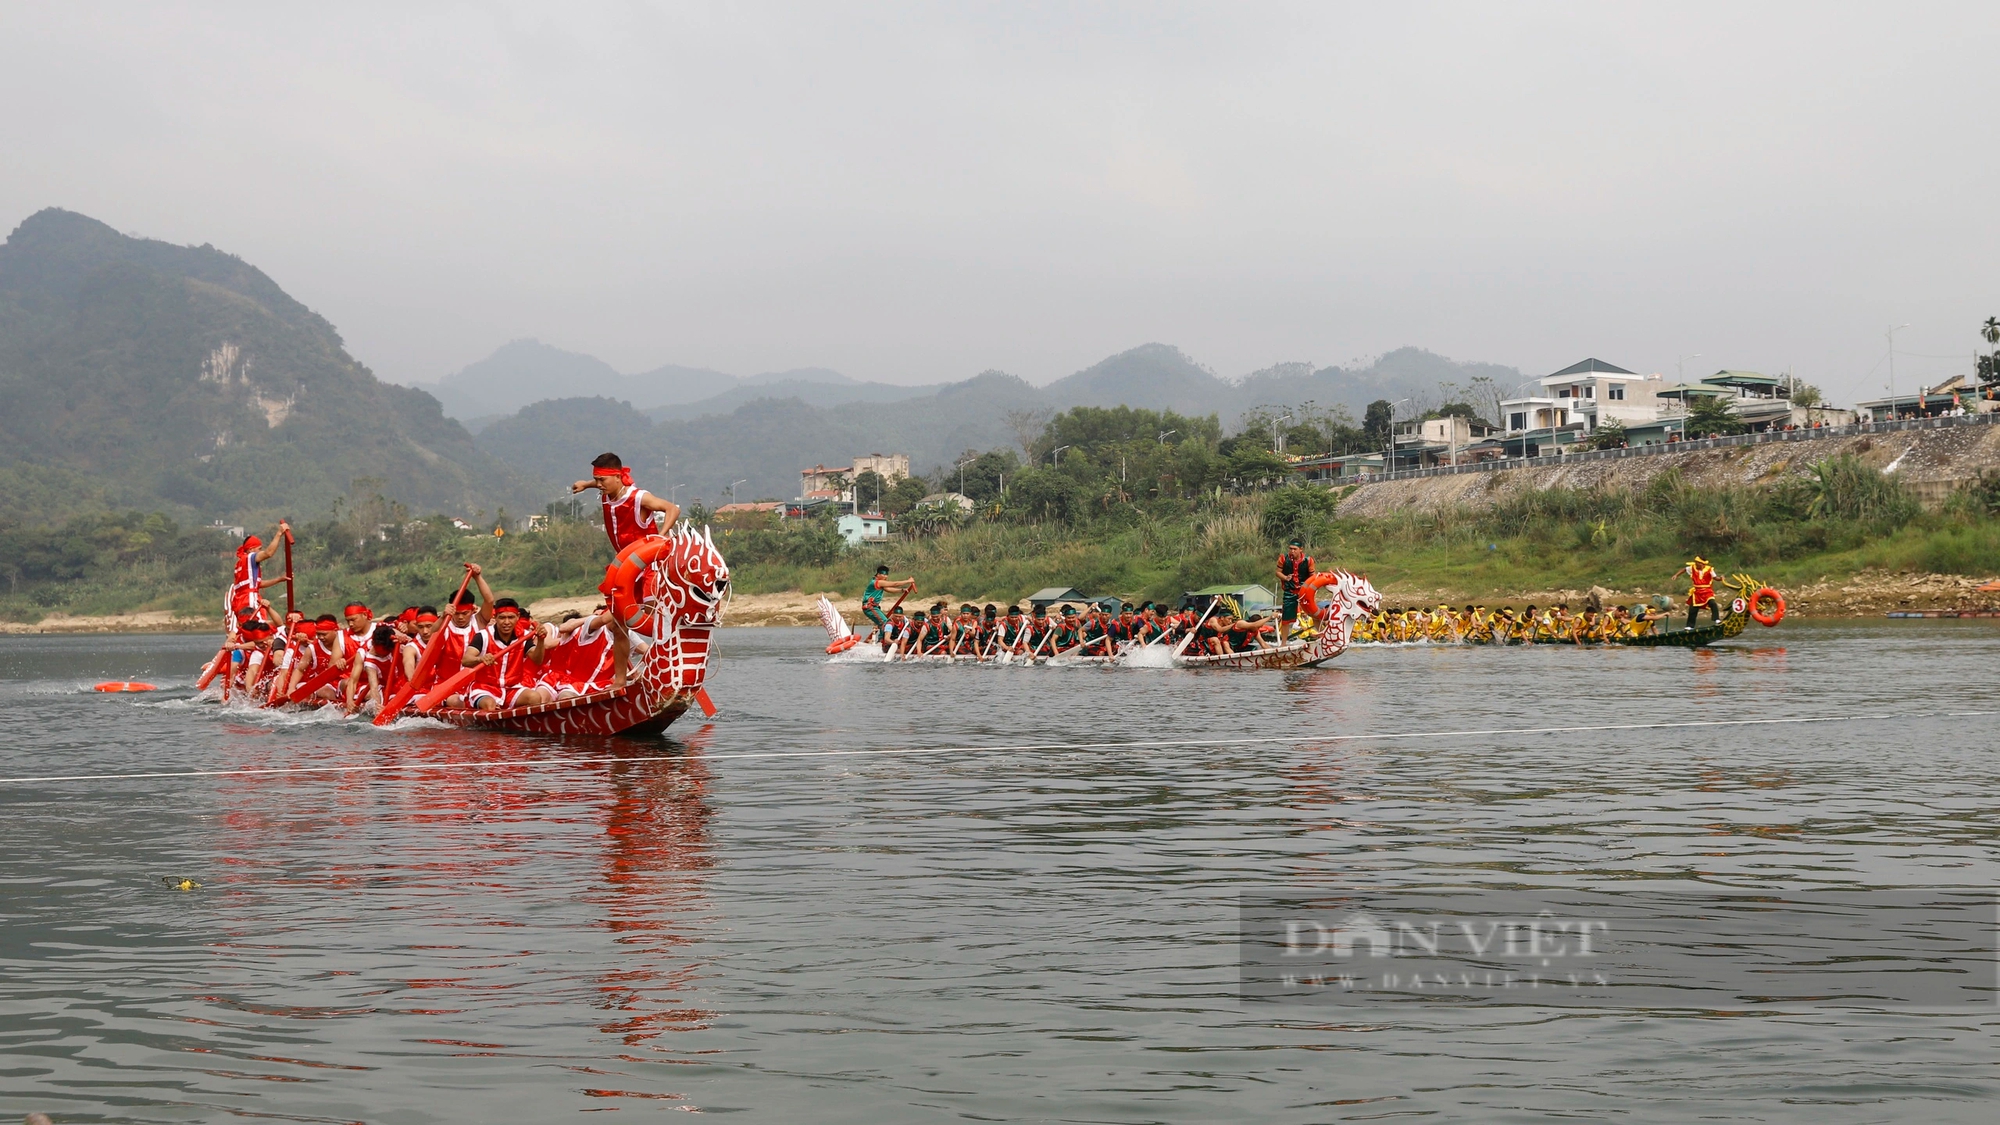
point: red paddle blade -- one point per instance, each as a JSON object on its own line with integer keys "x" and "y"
{"x": 445, "y": 690}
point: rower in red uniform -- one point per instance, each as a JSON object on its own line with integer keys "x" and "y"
{"x": 630, "y": 512}
{"x": 1701, "y": 590}
{"x": 579, "y": 663}
{"x": 386, "y": 665}
{"x": 503, "y": 655}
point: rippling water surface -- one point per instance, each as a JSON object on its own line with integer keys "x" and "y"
{"x": 1027, "y": 928}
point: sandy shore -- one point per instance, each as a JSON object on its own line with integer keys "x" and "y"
{"x": 152, "y": 622}
{"x": 1871, "y": 593}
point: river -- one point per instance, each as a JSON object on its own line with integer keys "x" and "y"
{"x": 885, "y": 894}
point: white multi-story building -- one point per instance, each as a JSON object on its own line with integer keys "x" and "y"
{"x": 1584, "y": 396}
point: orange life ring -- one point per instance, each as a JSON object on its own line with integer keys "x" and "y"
{"x": 842, "y": 645}
{"x": 621, "y": 581}
{"x": 123, "y": 685}
{"x": 1307, "y": 601}
{"x": 1762, "y": 616}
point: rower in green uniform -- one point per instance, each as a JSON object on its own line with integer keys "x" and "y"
{"x": 1013, "y": 633}
{"x": 1040, "y": 632}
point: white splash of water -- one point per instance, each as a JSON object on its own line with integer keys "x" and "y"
{"x": 1148, "y": 656}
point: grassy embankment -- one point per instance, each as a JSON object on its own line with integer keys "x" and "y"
{"x": 1844, "y": 519}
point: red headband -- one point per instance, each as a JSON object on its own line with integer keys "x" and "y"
{"x": 250, "y": 544}
{"x": 624, "y": 474}
{"x": 426, "y": 618}
{"x": 356, "y": 607}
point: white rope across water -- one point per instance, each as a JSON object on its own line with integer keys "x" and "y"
{"x": 553, "y": 763}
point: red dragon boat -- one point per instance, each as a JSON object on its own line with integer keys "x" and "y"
{"x": 669, "y": 591}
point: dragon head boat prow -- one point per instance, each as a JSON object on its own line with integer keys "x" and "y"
{"x": 669, "y": 591}
{"x": 1349, "y": 598}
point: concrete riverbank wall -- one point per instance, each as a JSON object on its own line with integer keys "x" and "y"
{"x": 1933, "y": 463}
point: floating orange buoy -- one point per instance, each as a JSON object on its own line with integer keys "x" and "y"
{"x": 1767, "y": 607}
{"x": 124, "y": 685}
{"x": 842, "y": 645}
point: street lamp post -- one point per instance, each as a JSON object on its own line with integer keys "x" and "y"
{"x": 1891, "y": 334}
{"x": 1057, "y": 454}
{"x": 732, "y": 486}
{"x": 1278, "y": 443}
{"x": 1165, "y": 434}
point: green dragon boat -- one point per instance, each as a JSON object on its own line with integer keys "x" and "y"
{"x": 1733, "y": 622}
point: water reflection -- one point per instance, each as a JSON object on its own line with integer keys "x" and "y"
{"x": 656, "y": 853}
{"x": 459, "y": 869}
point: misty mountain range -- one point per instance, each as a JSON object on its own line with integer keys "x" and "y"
{"x": 139, "y": 374}
{"x": 762, "y": 430}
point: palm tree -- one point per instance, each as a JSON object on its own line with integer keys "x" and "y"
{"x": 1991, "y": 330}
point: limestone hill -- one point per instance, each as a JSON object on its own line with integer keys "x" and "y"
{"x": 136, "y": 373}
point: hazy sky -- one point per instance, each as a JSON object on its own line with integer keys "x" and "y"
{"x": 919, "y": 193}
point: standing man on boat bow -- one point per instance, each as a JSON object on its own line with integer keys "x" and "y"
{"x": 871, "y": 600}
{"x": 1701, "y": 590}
{"x": 630, "y": 514}
{"x": 1294, "y": 567}
{"x": 247, "y": 584}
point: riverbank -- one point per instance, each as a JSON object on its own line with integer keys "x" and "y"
{"x": 1842, "y": 537}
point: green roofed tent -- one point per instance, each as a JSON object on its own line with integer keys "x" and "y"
{"x": 1751, "y": 379}
{"x": 1253, "y": 598}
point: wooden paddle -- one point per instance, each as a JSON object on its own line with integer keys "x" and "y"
{"x": 208, "y": 674}
{"x": 323, "y": 678}
{"x": 1185, "y": 641}
{"x": 445, "y": 689}
{"x": 432, "y": 648}
{"x": 288, "y": 571}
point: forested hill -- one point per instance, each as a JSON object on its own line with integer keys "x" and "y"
{"x": 763, "y": 435}
{"x": 763, "y": 443}
{"x": 139, "y": 374}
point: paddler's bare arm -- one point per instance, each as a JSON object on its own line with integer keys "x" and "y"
{"x": 667, "y": 508}
{"x": 268, "y": 550}
{"x": 485, "y": 594}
